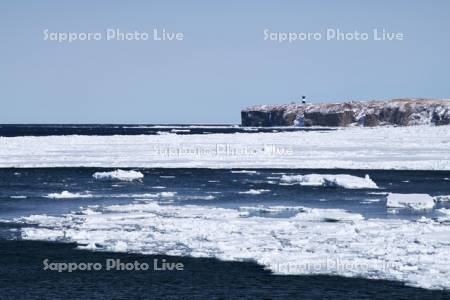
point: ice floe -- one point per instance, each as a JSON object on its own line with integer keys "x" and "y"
{"x": 141, "y": 195}
{"x": 410, "y": 201}
{"x": 445, "y": 215}
{"x": 167, "y": 194}
{"x": 67, "y": 195}
{"x": 271, "y": 209}
{"x": 445, "y": 211}
{"x": 313, "y": 241}
{"x": 328, "y": 215}
{"x": 331, "y": 180}
{"x": 254, "y": 192}
{"x": 243, "y": 172}
{"x": 403, "y": 148}
{"x": 442, "y": 198}
{"x": 378, "y": 193}
{"x": 199, "y": 197}
{"x": 369, "y": 201}
{"x": 121, "y": 175}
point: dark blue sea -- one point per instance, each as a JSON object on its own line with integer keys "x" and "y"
{"x": 10, "y": 130}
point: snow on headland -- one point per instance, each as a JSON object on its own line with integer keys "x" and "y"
{"x": 401, "y": 148}
{"x": 404, "y": 112}
{"x": 119, "y": 175}
{"x": 314, "y": 241}
{"x": 340, "y": 180}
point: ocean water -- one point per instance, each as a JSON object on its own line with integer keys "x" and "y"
{"x": 22, "y": 277}
{"x": 200, "y": 216}
{"x": 26, "y": 191}
{"x": 134, "y": 129}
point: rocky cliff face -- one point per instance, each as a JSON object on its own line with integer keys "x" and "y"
{"x": 402, "y": 112}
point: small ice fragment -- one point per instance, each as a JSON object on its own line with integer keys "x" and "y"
{"x": 67, "y": 195}
{"x": 254, "y": 192}
{"x": 442, "y": 198}
{"x": 121, "y": 175}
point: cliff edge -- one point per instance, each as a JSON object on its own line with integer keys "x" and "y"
{"x": 402, "y": 112}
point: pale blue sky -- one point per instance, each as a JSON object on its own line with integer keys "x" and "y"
{"x": 222, "y": 66}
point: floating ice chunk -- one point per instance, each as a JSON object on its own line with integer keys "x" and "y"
{"x": 378, "y": 193}
{"x": 164, "y": 133}
{"x": 68, "y": 195}
{"x": 43, "y": 220}
{"x": 369, "y": 201}
{"x": 443, "y": 198}
{"x": 445, "y": 215}
{"x": 119, "y": 175}
{"x": 207, "y": 197}
{"x": 88, "y": 246}
{"x": 18, "y": 197}
{"x": 90, "y": 211}
{"x": 167, "y": 194}
{"x": 243, "y": 172}
{"x": 411, "y": 201}
{"x": 120, "y": 246}
{"x": 445, "y": 211}
{"x": 339, "y": 180}
{"x": 145, "y": 195}
{"x": 254, "y": 192}
{"x": 327, "y": 215}
{"x": 270, "y": 209}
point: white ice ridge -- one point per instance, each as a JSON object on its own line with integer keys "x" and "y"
{"x": 119, "y": 175}
{"x": 411, "y": 201}
{"x": 339, "y": 180}
{"x": 68, "y": 195}
{"x": 314, "y": 241}
{"x": 416, "y": 147}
